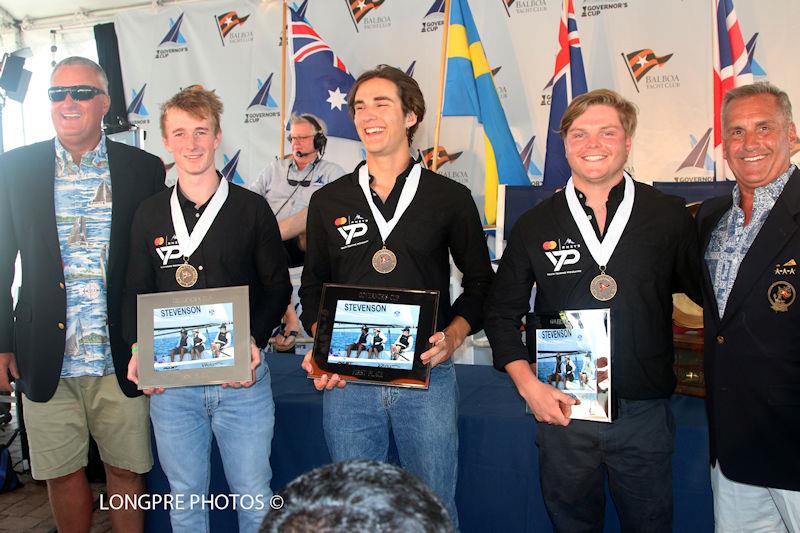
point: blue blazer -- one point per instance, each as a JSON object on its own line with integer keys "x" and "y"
{"x": 28, "y": 226}
{"x": 752, "y": 353}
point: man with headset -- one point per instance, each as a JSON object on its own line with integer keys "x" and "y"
{"x": 287, "y": 185}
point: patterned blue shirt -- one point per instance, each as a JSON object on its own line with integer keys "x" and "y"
{"x": 731, "y": 239}
{"x": 83, "y": 216}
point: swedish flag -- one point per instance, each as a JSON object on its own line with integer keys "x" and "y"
{"x": 470, "y": 91}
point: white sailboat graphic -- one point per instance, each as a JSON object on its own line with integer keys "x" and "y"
{"x": 102, "y": 196}
{"x": 77, "y": 234}
{"x": 74, "y": 344}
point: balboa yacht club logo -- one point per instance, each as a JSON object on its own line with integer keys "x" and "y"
{"x": 361, "y": 11}
{"x": 523, "y": 7}
{"x": 229, "y": 26}
{"x": 442, "y": 156}
{"x": 640, "y": 62}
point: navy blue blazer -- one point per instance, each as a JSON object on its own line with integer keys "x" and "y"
{"x": 752, "y": 353}
{"x": 28, "y": 225}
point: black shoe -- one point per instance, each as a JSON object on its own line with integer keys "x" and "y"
{"x": 5, "y": 419}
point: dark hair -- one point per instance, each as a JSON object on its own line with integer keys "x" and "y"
{"x": 357, "y": 497}
{"x": 407, "y": 88}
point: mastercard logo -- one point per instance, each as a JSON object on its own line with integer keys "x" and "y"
{"x": 159, "y": 241}
{"x": 340, "y": 221}
{"x": 549, "y": 245}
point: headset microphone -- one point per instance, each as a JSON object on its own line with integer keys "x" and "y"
{"x": 302, "y": 154}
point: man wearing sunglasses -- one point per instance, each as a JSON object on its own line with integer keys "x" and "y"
{"x": 66, "y": 206}
{"x": 288, "y": 185}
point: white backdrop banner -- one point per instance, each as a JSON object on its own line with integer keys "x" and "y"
{"x": 234, "y": 49}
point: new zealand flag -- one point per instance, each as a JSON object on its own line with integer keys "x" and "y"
{"x": 321, "y": 78}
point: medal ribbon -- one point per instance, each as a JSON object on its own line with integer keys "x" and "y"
{"x": 601, "y": 251}
{"x": 189, "y": 243}
{"x": 409, "y": 191}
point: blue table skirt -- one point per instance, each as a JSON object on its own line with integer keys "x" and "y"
{"x": 498, "y": 480}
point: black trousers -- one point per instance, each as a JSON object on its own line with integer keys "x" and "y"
{"x": 635, "y": 452}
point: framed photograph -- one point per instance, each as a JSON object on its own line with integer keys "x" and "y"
{"x": 374, "y": 335}
{"x": 571, "y": 351}
{"x": 197, "y": 337}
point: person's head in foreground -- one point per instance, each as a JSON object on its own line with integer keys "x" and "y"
{"x": 358, "y": 497}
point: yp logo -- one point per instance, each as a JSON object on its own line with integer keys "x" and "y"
{"x": 167, "y": 250}
{"x": 350, "y": 228}
{"x": 562, "y": 255}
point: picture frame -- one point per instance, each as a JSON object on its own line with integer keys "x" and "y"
{"x": 194, "y": 337}
{"x": 571, "y": 351}
{"x": 397, "y": 317}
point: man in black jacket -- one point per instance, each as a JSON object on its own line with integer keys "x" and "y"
{"x": 751, "y": 246}
{"x": 605, "y": 241}
{"x": 391, "y": 223}
{"x": 66, "y": 206}
{"x": 207, "y": 233}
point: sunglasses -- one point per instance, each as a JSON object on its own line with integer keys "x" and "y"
{"x": 302, "y": 183}
{"x": 79, "y": 93}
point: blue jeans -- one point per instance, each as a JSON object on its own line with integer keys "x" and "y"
{"x": 358, "y": 418}
{"x": 242, "y": 421}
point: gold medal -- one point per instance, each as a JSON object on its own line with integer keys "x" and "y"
{"x": 603, "y": 287}
{"x": 186, "y": 275}
{"x": 384, "y": 260}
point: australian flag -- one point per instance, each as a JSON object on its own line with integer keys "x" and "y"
{"x": 568, "y": 82}
{"x": 321, "y": 78}
{"x": 732, "y": 68}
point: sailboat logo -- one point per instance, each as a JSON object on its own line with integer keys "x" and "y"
{"x": 758, "y": 70}
{"x": 137, "y": 103}
{"x": 77, "y": 235}
{"x": 173, "y": 41}
{"x": 229, "y": 170}
{"x": 528, "y": 162}
{"x": 102, "y": 196}
{"x": 262, "y": 97}
{"x": 174, "y": 34}
{"x": 74, "y": 345}
{"x": 698, "y": 158}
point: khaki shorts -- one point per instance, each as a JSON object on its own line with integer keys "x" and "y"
{"x": 58, "y": 430}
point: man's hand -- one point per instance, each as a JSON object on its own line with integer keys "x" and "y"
{"x": 324, "y": 382}
{"x": 133, "y": 371}
{"x": 8, "y": 363}
{"x": 549, "y": 405}
{"x": 255, "y": 360}
{"x": 446, "y": 342}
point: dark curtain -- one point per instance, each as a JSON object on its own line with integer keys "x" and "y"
{"x": 108, "y": 55}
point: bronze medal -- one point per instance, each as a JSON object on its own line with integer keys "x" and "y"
{"x": 186, "y": 275}
{"x": 603, "y": 287}
{"x": 384, "y": 260}
{"x": 781, "y": 295}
